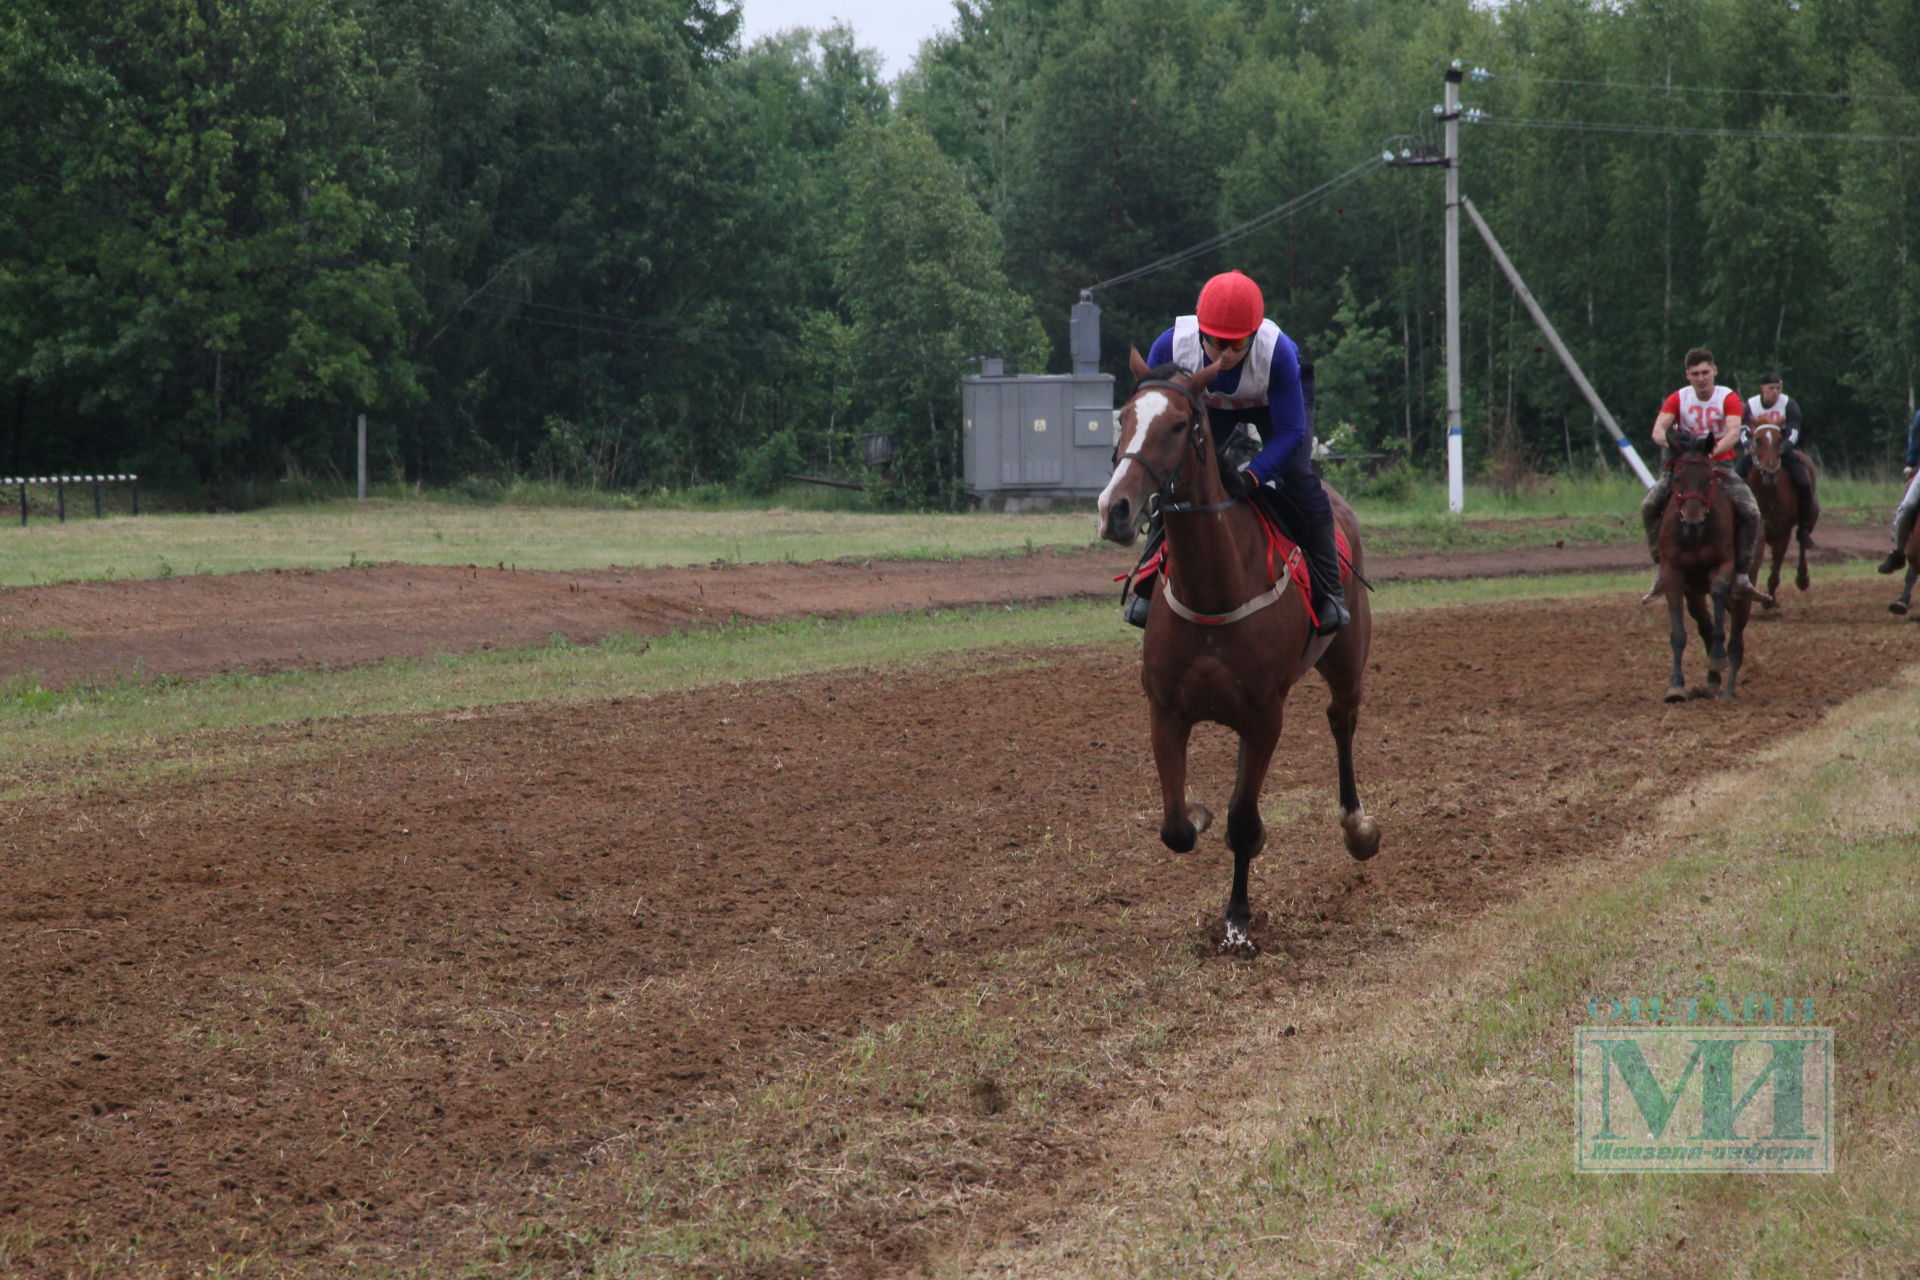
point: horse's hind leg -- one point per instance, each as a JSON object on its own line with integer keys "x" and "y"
{"x": 1800, "y": 578}
{"x": 1361, "y": 831}
{"x": 1245, "y": 831}
{"x": 1180, "y": 824}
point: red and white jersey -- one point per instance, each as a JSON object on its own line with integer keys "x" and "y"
{"x": 1696, "y": 417}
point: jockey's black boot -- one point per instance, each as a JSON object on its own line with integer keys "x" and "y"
{"x": 1323, "y": 570}
{"x": 1809, "y": 505}
{"x": 1140, "y": 598}
{"x": 1898, "y": 556}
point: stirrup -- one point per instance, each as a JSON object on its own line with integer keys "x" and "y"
{"x": 1136, "y": 609}
{"x": 1658, "y": 588}
{"x": 1332, "y": 614}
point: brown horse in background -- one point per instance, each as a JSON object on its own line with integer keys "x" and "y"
{"x": 1696, "y": 562}
{"x": 1779, "y": 505}
{"x": 1235, "y": 642}
{"x": 1912, "y": 549}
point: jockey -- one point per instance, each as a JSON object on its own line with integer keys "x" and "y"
{"x": 1261, "y": 384}
{"x": 1771, "y": 408}
{"x": 1699, "y": 412}
{"x": 1903, "y": 515}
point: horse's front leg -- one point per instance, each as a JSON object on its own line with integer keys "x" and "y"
{"x": 1906, "y": 595}
{"x": 1677, "y": 638}
{"x": 1713, "y": 629}
{"x": 1738, "y": 613}
{"x": 1800, "y": 578}
{"x": 1246, "y": 833}
{"x": 1779, "y": 548}
{"x": 1180, "y": 823}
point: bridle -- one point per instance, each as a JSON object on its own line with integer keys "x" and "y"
{"x": 1677, "y": 494}
{"x": 1163, "y": 499}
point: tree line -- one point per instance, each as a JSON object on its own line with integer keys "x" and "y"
{"x": 599, "y": 240}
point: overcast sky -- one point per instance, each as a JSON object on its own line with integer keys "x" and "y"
{"x": 894, "y": 27}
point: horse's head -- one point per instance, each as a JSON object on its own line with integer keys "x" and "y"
{"x": 1693, "y": 486}
{"x": 1764, "y": 445}
{"x": 1163, "y": 427}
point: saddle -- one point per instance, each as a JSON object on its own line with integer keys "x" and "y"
{"x": 1284, "y": 558}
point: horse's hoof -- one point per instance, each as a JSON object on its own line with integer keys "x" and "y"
{"x": 1898, "y": 607}
{"x": 1363, "y": 835}
{"x": 1726, "y": 695}
{"x": 1200, "y": 816}
{"x": 1714, "y": 667}
{"x": 1238, "y": 943}
{"x": 1677, "y": 693}
{"x": 1802, "y": 581}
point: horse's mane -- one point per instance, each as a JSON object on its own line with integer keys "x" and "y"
{"x": 1167, "y": 372}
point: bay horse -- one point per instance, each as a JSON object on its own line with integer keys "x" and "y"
{"x": 1912, "y": 549}
{"x": 1779, "y": 505}
{"x": 1696, "y": 563}
{"x": 1214, "y": 650}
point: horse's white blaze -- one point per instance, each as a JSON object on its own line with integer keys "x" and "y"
{"x": 1148, "y": 407}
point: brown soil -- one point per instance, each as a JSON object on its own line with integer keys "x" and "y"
{"x": 189, "y": 627}
{"x": 380, "y": 1003}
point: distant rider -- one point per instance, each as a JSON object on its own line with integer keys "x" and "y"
{"x": 1260, "y": 383}
{"x": 1699, "y": 411}
{"x": 1773, "y": 408}
{"x": 1909, "y": 505}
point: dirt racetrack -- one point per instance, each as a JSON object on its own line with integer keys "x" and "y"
{"x": 401, "y": 986}
{"x": 189, "y": 627}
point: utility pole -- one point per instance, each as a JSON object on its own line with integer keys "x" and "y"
{"x": 1451, "y": 113}
{"x": 1456, "y": 457}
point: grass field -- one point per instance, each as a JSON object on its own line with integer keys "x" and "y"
{"x": 552, "y": 535}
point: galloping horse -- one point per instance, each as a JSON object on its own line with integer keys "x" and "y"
{"x": 1214, "y": 650}
{"x": 1696, "y": 561}
{"x": 1779, "y": 506}
{"x": 1913, "y": 571}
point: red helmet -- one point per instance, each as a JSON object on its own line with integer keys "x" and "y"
{"x": 1230, "y": 306}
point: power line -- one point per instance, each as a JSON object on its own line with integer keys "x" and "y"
{"x": 1481, "y": 73}
{"x": 1295, "y": 205}
{"x": 1685, "y": 131}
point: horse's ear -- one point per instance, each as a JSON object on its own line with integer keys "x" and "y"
{"x": 1137, "y": 363}
{"x": 1198, "y": 382}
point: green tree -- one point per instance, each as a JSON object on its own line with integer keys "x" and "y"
{"x": 919, "y": 276}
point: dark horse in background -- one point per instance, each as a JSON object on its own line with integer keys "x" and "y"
{"x": 1779, "y": 505}
{"x": 1696, "y": 563}
{"x": 1253, "y": 638}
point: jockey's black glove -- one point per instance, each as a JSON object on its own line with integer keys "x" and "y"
{"x": 1242, "y": 483}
